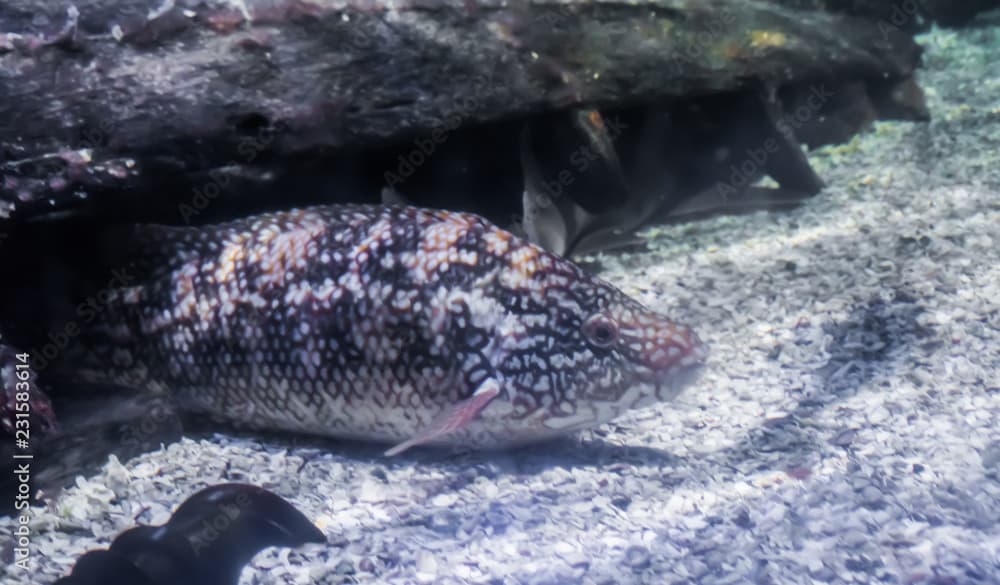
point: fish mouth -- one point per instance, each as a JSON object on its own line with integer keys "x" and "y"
{"x": 687, "y": 375}
{"x": 679, "y": 378}
{"x": 684, "y": 373}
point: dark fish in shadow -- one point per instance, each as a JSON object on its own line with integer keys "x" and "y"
{"x": 590, "y": 181}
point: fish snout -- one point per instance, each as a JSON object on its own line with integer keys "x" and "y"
{"x": 672, "y": 357}
{"x": 672, "y": 347}
{"x": 677, "y": 360}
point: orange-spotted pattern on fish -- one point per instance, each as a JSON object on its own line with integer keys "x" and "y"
{"x": 385, "y": 323}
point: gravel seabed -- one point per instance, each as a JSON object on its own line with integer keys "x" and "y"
{"x": 847, "y": 429}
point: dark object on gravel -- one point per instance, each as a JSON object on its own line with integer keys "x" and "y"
{"x": 207, "y": 541}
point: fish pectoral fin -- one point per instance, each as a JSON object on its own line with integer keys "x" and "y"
{"x": 455, "y": 417}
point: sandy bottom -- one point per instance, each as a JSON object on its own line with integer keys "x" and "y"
{"x": 846, "y": 429}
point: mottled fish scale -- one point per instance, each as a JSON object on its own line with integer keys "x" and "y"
{"x": 383, "y": 323}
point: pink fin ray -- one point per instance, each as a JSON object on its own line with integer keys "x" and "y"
{"x": 455, "y": 417}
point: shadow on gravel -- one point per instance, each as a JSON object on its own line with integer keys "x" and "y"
{"x": 125, "y": 424}
{"x": 876, "y": 340}
{"x": 564, "y": 452}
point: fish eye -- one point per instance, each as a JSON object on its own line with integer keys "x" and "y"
{"x": 601, "y": 330}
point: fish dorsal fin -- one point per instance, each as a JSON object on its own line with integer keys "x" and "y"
{"x": 453, "y": 418}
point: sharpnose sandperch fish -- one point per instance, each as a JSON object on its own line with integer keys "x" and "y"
{"x": 393, "y": 324}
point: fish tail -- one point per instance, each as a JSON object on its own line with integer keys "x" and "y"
{"x": 65, "y": 277}
{"x": 46, "y": 268}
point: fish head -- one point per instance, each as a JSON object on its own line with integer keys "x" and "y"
{"x": 658, "y": 357}
{"x": 609, "y": 354}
